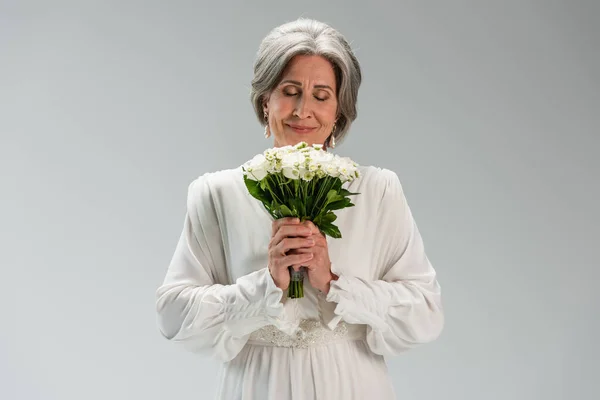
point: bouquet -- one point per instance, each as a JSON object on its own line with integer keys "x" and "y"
{"x": 305, "y": 182}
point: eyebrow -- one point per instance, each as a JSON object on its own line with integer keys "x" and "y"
{"x": 300, "y": 84}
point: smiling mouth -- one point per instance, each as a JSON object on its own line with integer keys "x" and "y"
{"x": 302, "y": 129}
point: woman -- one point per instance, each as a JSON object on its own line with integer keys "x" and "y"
{"x": 371, "y": 294}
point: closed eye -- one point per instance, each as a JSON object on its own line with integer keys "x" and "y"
{"x": 288, "y": 93}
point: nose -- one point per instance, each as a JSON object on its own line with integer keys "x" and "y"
{"x": 303, "y": 109}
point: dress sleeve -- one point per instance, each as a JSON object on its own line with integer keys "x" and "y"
{"x": 403, "y": 308}
{"x": 194, "y": 304}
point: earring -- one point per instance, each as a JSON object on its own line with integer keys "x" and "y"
{"x": 267, "y": 129}
{"x": 333, "y": 137}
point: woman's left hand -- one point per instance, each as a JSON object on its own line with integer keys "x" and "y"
{"x": 319, "y": 267}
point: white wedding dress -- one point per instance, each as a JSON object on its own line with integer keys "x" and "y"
{"x": 218, "y": 297}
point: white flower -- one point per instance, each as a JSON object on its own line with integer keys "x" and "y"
{"x": 257, "y": 168}
{"x": 308, "y": 175}
{"x": 292, "y": 165}
{"x": 301, "y": 145}
{"x": 301, "y": 161}
{"x": 347, "y": 169}
{"x": 331, "y": 169}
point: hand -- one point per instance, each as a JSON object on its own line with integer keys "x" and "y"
{"x": 287, "y": 236}
{"x": 319, "y": 267}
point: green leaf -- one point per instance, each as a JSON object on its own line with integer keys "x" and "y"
{"x": 255, "y": 190}
{"x": 318, "y": 220}
{"x": 331, "y": 230}
{"x": 264, "y": 184}
{"x": 338, "y": 205}
{"x": 333, "y": 196}
{"x": 329, "y": 218}
{"x": 285, "y": 211}
{"x": 344, "y": 192}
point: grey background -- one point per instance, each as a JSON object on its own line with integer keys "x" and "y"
{"x": 487, "y": 110}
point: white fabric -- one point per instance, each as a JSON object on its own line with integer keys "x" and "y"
{"x": 218, "y": 291}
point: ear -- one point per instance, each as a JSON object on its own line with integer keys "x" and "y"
{"x": 265, "y": 104}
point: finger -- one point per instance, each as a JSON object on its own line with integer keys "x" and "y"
{"x": 304, "y": 264}
{"x": 295, "y": 260}
{"x": 310, "y": 264}
{"x": 290, "y": 231}
{"x": 311, "y": 267}
{"x": 276, "y": 224}
{"x": 288, "y": 244}
{"x": 320, "y": 240}
{"x": 311, "y": 225}
{"x": 301, "y": 250}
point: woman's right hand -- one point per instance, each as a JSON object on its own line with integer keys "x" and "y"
{"x": 287, "y": 234}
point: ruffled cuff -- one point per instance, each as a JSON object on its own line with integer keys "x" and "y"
{"x": 351, "y": 300}
{"x": 254, "y": 301}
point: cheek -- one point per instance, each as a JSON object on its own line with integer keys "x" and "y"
{"x": 282, "y": 106}
{"x": 327, "y": 113}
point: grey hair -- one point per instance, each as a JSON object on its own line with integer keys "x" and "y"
{"x": 308, "y": 37}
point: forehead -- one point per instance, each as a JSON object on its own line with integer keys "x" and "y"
{"x": 305, "y": 67}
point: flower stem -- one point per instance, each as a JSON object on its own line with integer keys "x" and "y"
{"x": 296, "y": 289}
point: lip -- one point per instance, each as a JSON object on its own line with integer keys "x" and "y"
{"x": 301, "y": 129}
